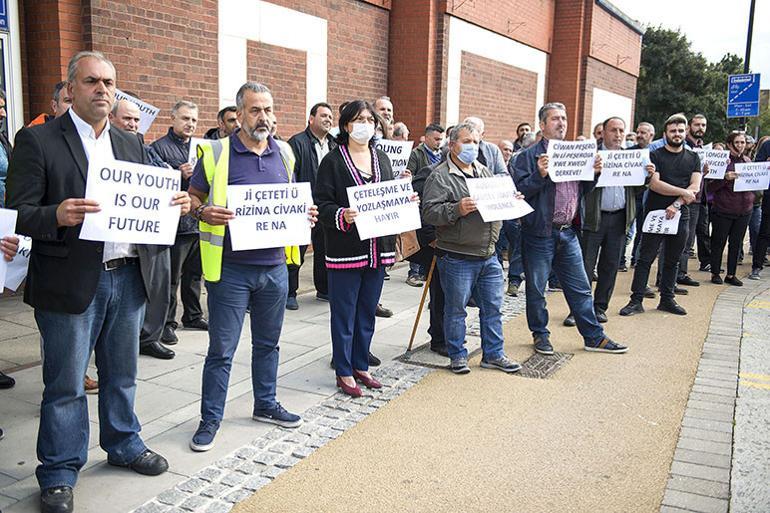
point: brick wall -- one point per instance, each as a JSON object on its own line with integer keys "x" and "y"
{"x": 527, "y": 21}
{"x": 502, "y": 95}
{"x": 284, "y": 72}
{"x": 603, "y": 76}
{"x": 613, "y": 42}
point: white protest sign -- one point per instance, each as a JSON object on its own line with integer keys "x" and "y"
{"x": 496, "y": 198}
{"x": 135, "y": 203}
{"x": 754, "y": 176}
{"x": 656, "y": 222}
{"x": 623, "y": 167}
{"x": 17, "y": 268}
{"x": 384, "y": 208}
{"x": 192, "y": 155}
{"x": 147, "y": 112}
{"x": 571, "y": 160}
{"x": 269, "y": 215}
{"x": 717, "y": 161}
{"x": 398, "y": 152}
{"x": 7, "y": 227}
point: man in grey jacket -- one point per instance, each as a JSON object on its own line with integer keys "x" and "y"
{"x": 489, "y": 154}
{"x": 467, "y": 263}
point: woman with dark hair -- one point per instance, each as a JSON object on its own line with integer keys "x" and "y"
{"x": 355, "y": 268}
{"x": 730, "y": 213}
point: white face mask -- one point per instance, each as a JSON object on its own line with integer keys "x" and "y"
{"x": 362, "y": 132}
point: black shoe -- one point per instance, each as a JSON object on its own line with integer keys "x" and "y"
{"x": 148, "y": 463}
{"x": 472, "y": 303}
{"x": 704, "y": 268}
{"x": 169, "y": 335}
{"x": 716, "y": 279}
{"x": 374, "y": 361}
{"x": 687, "y": 281}
{"x": 383, "y": 312}
{"x": 320, "y": 296}
{"x": 649, "y": 292}
{"x": 623, "y": 268}
{"x": 632, "y": 308}
{"x": 58, "y": 499}
{"x": 679, "y": 291}
{"x": 601, "y": 316}
{"x": 570, "y": 321}
{"x": 671, "y": 306}
{"x": 6, "y": 381}
{"x": 543, "y": 345}
{"x": 197, "y": 324}
{"x": 387, "y": 276}
{"x": 157, "y": 350}
{"x": 733, "y": 280}
{"x": 440, "y": 349}
{"x": 291, "y": 303}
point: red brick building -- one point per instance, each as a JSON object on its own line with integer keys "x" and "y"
{"x": 439, "y": 60}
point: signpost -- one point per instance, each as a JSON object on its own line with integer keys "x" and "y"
{"x": 743, "y": 95}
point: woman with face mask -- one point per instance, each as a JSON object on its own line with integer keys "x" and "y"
{"x": 355, "y": 268}
{"x": 730, "y": 213}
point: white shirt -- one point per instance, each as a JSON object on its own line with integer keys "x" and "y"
{"x": 101, "y": 147}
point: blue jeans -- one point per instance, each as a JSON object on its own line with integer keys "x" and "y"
{"x": 482, "y": 279}
{"x": 353, "y": 297}
{"x": 561, "y": 254}
{"x": 511, "y": 234}
{"x": 262, "y": 289}
{"x": 109, "y": 327}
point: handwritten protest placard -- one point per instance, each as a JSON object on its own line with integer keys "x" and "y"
{"x": 752, "y": 176}
{"x": 17, "y": 268}
{"x": 623, "y": 167}
{"x": 571, "y": 160}
{"x": 717, "y": 161}
{"x": 135, "y": 203}
{"x": 269, "y": 215}
{"x": 496, "y": 198}
{"x": 147, "y": 112}
{"x": 656, "y": 222}
{"x": 192, "y": 155}
{"x": 398, "y": 152}
{"x": 384, "y": 208}
{"x": 7, "y": 227}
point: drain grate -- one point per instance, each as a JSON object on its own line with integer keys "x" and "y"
{"x": 539, "y": 366}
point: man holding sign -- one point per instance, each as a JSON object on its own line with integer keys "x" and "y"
{"x": 673, "y": 187}
{"x": 254, "y": 279}
{"x": 549, "y": 241}
{"x": 467, "y": 262}
{"x": 88, "y": 296}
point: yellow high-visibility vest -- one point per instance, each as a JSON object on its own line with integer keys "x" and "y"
{"x": 215, "y": 158}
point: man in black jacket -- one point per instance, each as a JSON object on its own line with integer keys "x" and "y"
{"x": 310, "y": 146}
{"x": 88, "y": 296}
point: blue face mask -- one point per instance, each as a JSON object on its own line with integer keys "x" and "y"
{"x": 468, "y": 153}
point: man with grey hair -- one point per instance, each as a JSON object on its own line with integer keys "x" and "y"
{"x": 384, "y": 107}
{"x": 489, "y": 154}
{"x": 645, "y": 133}
{"x": 88, "y": 296}
{"x": 400, "y": 131}
{"x": 236, "y": 281}
{"x": 465, "y": 244}
{"x": 60, "y": 102}
{"x": 174, "y": 149}
{"x": 550, "y": 241}
{"x": 506, "y": 148}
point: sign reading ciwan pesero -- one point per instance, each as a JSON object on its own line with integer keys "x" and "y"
{"x": 571, "y": 160}
{"x": 269, "y": 215}
{"x": 135, "y": 202}
{"x": 384, "y": 208}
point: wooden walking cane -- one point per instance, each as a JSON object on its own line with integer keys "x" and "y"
{"x": 422, "y": 302}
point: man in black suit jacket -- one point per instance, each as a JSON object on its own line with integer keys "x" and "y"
{"x": 88, "y": 296}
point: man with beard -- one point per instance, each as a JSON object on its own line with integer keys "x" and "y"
{"x": 673, "y": 187}
{"x": 310, "y": 147}
{"x": 254, "y": 279}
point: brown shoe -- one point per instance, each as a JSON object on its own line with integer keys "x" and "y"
{"x": 91, "y": 385}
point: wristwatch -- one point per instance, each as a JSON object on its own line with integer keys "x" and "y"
{"x": 198, "y": 211}
{"x": 677, "y": 204}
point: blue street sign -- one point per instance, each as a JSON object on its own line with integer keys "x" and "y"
{"x": 743, "y": 96}
{"x": 4, "y": 15}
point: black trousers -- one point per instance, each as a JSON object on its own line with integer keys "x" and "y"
{"x": 669, "y": 253}
{"x": 320, "y": 281}
{"x": 763, "y": 238}
{"x": 159, "y": 295}
{"x": 606, "y": 245}
{"x": 436, "y": 307}
{"x": 702, "y": 234}
{"x": 727, "y": 228}
{"x": 185, "y": 271}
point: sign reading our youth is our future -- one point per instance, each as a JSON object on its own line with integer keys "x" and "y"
{"x": 571, "y": 160}
{"x": 623, "y": 167}
{"x": 269, "y": 215}
{"x": 754, "y": 176}
{"x": 135, "y": 202}
{"x": 398, "y": 152}
{"x": 384, "y": 208}
{"x": 496, "y": 199}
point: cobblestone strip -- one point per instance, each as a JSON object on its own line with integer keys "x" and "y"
{"x": 699, "y": 479}
{"x": 218, "y": 487}
{"x": 512, "y": 307}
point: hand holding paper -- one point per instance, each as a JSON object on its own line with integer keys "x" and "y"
{"x": 9, "y": 246}
{"x": 72, "y": 211}
{"x": 10, "y": 242}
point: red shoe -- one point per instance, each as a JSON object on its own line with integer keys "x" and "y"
{"x": 347, "y": 389}
{"x": 368, "y": 382}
